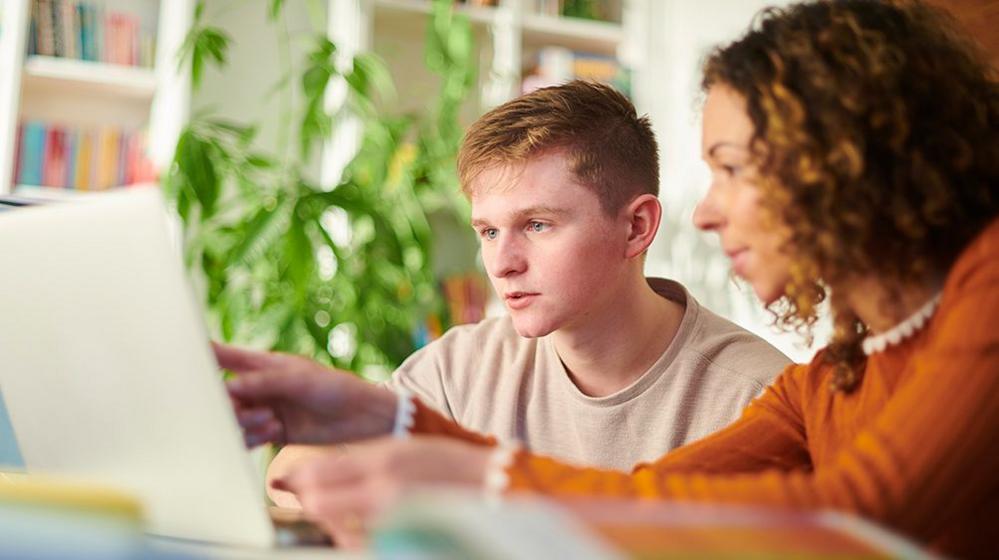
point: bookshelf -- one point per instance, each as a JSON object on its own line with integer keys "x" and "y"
{"x": 509, "y": 36}
{"x": 106, "y": 79}
{"x": 88, "y": 78}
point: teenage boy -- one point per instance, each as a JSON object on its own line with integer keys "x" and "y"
{"x": 595, "y": 363}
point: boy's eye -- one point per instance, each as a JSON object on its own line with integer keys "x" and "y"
{"x": 537, "y": 227}
{"x": 489, "y": 233}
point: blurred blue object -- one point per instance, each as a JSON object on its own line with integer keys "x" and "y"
{"x": 10, "y": 455}
{"x": 36, "y": 533}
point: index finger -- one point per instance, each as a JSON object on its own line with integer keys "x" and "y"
{"x": 239, "y": 359}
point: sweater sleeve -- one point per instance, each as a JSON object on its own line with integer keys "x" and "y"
{"x": 927, "y": 455}
{"x": 427, "y": 421}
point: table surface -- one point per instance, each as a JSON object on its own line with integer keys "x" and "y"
{"x": 225, "y": 552}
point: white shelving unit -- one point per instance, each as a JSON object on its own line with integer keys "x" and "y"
{"x": 88, "y": 78}
{"x": 85, "y": 93}
{"x": 594, "y": 36}
{"x": 506, "y": 36}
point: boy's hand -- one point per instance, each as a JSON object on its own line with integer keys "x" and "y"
{"x": 282, "y": 398}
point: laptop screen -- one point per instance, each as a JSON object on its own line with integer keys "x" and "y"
{"x": 10, "y": 455}
{"x": 106, "y": 369}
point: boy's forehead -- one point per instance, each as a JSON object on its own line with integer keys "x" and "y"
{"x": 522, "y": 199}
{"x": 539, "y": 175}
{"x": 543, "y": 181}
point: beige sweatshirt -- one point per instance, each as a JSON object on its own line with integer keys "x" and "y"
{"x": 491, "y": 380}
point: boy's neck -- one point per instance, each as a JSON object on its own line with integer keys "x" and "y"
{"x": 619, "y": 344}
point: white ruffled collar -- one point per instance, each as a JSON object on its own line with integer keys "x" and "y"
{"x": 910, "y": 325}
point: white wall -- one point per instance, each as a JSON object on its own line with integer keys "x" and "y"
{"x": 682, "y": 33}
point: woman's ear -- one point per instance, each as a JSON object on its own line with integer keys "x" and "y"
{"x": 643, "y": 215}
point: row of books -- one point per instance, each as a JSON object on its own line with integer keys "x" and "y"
{"x": 84, "y": 31}
{"x": 80, "y": 158}
{"x": 557, "y": 65}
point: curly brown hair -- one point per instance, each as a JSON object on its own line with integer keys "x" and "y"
{"x": 877, "y": 138}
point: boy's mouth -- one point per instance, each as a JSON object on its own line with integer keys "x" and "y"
{"x": 519, "y": 300}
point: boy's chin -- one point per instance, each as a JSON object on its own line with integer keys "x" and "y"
{"x": 528, "y": 328}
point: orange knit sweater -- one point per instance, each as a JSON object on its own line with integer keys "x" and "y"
{"x": 914, "y": 447}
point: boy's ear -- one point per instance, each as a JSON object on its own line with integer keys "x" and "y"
{"x": 643, "y": 215}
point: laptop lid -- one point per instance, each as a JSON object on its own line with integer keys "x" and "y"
{"x": 107, "y": 372}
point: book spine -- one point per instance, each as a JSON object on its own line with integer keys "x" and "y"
{"x": 134, "y": 48}
{"x": 32, "y": 153}
{"x": 33, "y": 30}
{"x": 57, "y": 46}
{"x": 84, "y": 160}
{"x": 82, "y": 14}
{"x": 108, "y": 160}
{"x": 69, "y": 179}
{"x": 122, "y": 159}
{"x": 54, "y": 167}
{"x": 17, "y": 153}
{"x": 67, "y": 11}
{"x": 46, "y": 38}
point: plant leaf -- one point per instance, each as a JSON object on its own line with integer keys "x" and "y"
{"x": 275, "y": 9}
{"x": 261, "y": 232}
{"x": 194, "y": 157}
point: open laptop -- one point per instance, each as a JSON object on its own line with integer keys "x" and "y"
{"x": 107, "y": 371}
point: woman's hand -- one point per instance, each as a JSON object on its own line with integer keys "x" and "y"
{"x": 282, "y": 398}
{"x": 345, "y": 492}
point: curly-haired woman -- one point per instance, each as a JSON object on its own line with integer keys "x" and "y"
{"x": 854, "y": 149}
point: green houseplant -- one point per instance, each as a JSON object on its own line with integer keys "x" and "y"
{"x": 337, "y": 272}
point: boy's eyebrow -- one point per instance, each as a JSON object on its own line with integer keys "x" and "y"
{"x": 526, "y": 212}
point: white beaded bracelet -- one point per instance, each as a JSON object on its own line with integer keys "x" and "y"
{"x": 496, "y": 480}
{"x": 404, "y": 412}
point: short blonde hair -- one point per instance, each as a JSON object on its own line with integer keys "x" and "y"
{"x": 611, "y": 150}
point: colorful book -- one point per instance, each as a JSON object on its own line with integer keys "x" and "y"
{"x": 69, "y": 24}
{"x": 46, "y": 36}
{"x": 84, "y": 157}
{"x": 17, "y": 151}
{"x": 54, "y": 158}
{"x": 97, "y": 27}
{"x": 107, "y": 158}
{"x": 71, "y": 146}
{"x": 32, "y": 153}
{"x": 55, "y": 12}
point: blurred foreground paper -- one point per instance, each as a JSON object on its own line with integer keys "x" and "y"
{"x": 453, "y": 525}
